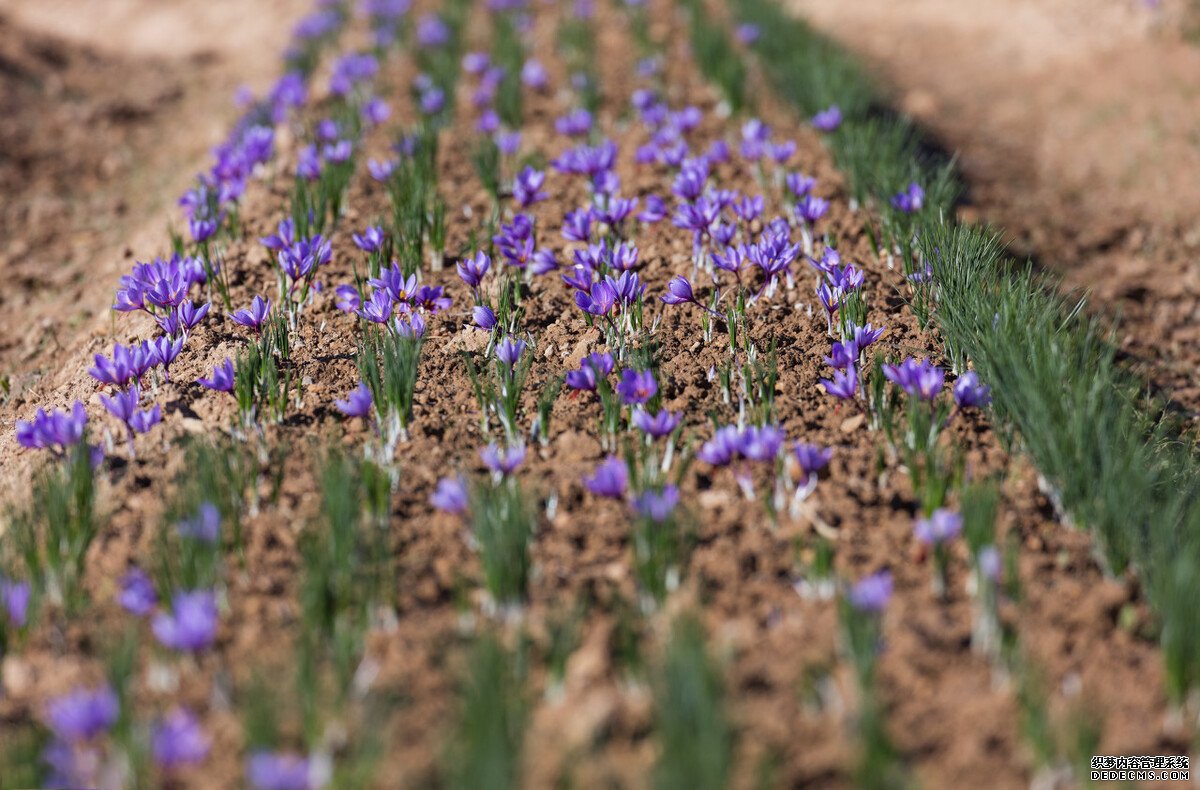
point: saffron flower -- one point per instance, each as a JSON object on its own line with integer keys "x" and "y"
{"x": 811, "y": 458}
{"x": 941, "y": 527}
{"x": 205, "y": 526}
{"x": 221, "y": 379}
{"x": 370, "y": 240}
{"x": 657, "y": 505}
{"x": 527, "y": 188}
{"x": 828, "y": 119}
{"x": 970, "y": 392}
{"x": 378, "y": 309}
{"x": 919, "y": 379}
{"x": 871, "y": 594}
{"x": 179, "y": 740}
{"x": 450, "y": 496}
{"x": 83, "y": 714}
{"x": 598, "y": 300}
{"x": 484, "y": 317}
{"x": 658, "y": 425}
{"x": 760, "y": 443}
{"x": 348, "y": 299}
{"x": 357, "y": 403}
{"x": 679, "y": 291}
{"x": 191, "y": 626}
{"x": 866, "y": 335}
{"x": 502, "y": 462}
{"x": 843, "y": 355}
{"x": 14, "y": 597}
{"x": 593, "y": 367}
{"x": 843, "y": 384}
{"x": 909, "y": 200}
{"x": 137, "y": 595}
{"x": 55, "y": 431}
{"x": 611, "y": 479}
{"x": 278, "y": 771}
{"x": 253, "y": 317}
{"x": 637, "y": 386}
{"x": 473, "y": 269}
{"x": 164, "y": 351}
{"x": 509, "y": 350}
{"x": 810, "y": 208}
{"x": 723, "y": 448}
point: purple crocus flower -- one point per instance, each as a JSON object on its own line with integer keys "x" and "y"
{"x": 357, "y": 403}
{"x": 811, "y": 208}
{"x": 598, "y": 300}
{"x": 534, "y": 76}
{"x": 658, "y": 425}
{"x": 679, "y": 291}
{"x": 991, "y": 565}
{"x": 502, "y": 462}
{"x": 205, "y": 526}
{"x": 450, "y": 496}
{"x": 83, "y": 714}
{"x": 370, "y": 240}
{"x": 222, "y": 378}
{"x": 189, "y": 316}
{"x": 348, "y": 299}
{"x": 509, "y": 350}
{"x": 637, "y": 386}
{"x": 144, "y": 420}
{"x": 611, "y": 479}
{"x": 843, "y": 384}
{"x": 919, "y": 379}
{"x": 164, "y": 351}
{"x": 378, "y": 309}
{"x": 382, "y": 171}
{"x": 828, "y": 119}
{"x": 909, "y": 200}
{"x": 799, "y": 184}
{"x": 653, "y": 210}
{"x": 866, "y": 335}
{"x": 871, "y": 594}
{"x": 593, "y": 367}
{"x": 432, "y": 31}
{"x": 484, "y": 317}
{"x": 843, "y": 355}
{"x": 14, "y": 597}
{"x": 392, "y": 280}
{"x": 527, "y": 188}
{"x": 121, "y": 369}
{"x": 657, "y": 505}
{"x": 179, "y": 740}
{"x": 723, "y": 448}
{"x": 137, "y": 595}
{"x": 761, "y": 443}
{"x": 55, "y": 431}
{"x": 255, "y": 316}
{"x": 939, "y": 528}
{"x": 278, "y": 771}
{"x": 970, "y": 392}
{"x": 811, "y": 458}
{"x": 191, "y": 626}
{"x": 123, "y": 405}
{"x": 746, "y": 33}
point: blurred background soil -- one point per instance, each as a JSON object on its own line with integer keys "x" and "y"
{"x": 1077, "y": 123}
{"x": 105, "y": 118}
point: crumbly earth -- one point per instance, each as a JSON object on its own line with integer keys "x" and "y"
{"x": 954, "y": 718}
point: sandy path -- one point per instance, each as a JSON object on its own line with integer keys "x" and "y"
{"x": 1078, "y": 127}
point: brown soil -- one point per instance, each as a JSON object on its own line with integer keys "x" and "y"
{"x": 956, "y": 721}
{"x": 1079, "y": 134}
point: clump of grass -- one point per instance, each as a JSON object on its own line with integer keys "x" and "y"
{"x": 347, "y": 572}
{"x": 486, "y": 751}
{"x": 695, "y": 735}
{"x": 714, "y": 52}
{"x": 52, "y": 534}
{"x": 388, "y": 363}
{"x": 502, "y": 522}
{"x": 261, "y": 380}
